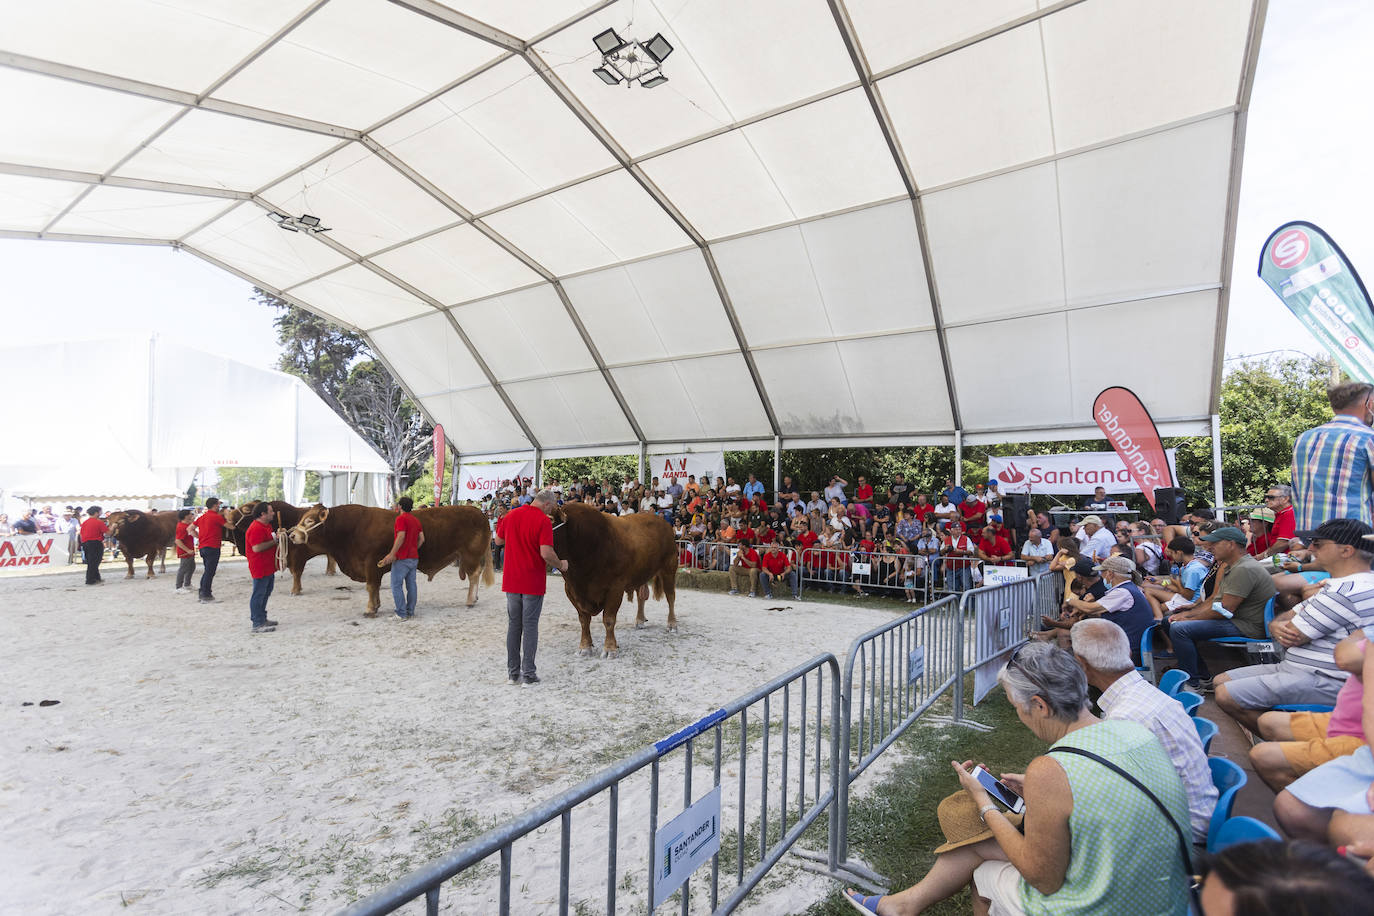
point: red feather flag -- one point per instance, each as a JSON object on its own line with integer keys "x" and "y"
{"x": 1128, "y": 426}
{"x": 440, "y": 453}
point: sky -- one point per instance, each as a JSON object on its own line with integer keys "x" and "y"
{"x": 1307, "y": 144}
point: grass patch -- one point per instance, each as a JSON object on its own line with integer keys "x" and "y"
{"x": 893, "y": 826}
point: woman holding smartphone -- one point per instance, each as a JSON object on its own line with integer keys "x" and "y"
{"x": 1093, "y": 841}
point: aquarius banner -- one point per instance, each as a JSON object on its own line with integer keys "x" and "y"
{"x": 1065, "y": 475}
{"x": 1312, "y": 276}
{"x": 440, "y": 453}
{"x": 1131, "y": 431}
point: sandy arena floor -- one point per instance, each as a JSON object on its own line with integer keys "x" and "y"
{"x": 192, "y": 767}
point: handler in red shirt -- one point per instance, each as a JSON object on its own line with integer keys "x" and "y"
{"x": 527, "y": 535}
{"x": 404, "y": 558}
{"x": 93, "y": 531}
{"x": 209, "y": 531}
{"x": 260, "y": 542}
{"x": 186, "y": 553}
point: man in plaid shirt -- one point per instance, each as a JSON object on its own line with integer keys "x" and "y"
{"x": 1104, "y": 653}
{"x": 1333, "y": 464}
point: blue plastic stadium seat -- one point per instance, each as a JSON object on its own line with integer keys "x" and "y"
{"x": 1191, "y": 701}
{"x": 1246, "y": 640}
{"x": 1229, "y": 779}
{"x": 1303, "y": 707}
{"x": 1206, "y": 730}
{"x": 1241, "y": 829}
{"x": 1172, "y": 681}
{"x": 1148, "y": 654}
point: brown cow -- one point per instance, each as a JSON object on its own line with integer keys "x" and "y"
{"x": 287, "y": 517}
{"x": 357, "y": 537}
{"x": 610, "y": 557}
{"x": 141, "y": 534}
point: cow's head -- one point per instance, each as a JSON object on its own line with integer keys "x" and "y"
{"x": 240, "y": 516}
{"x": 117, "y": 520}
{"x": 313, "y": 518}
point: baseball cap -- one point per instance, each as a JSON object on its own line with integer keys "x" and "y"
{"x": 993, "y": 482}
{"x": 1091, "y": 520}
{"x": 1084, "y": 567}
{"x": 1122, "y": 566}
{"x": 1348, "y": 531}
{"x": 1228, "y": 533}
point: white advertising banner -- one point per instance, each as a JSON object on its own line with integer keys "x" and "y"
{"x": 33, "y": 550}
{"x": 478, "y": 480}
{"x": 1077, "y": 473}
{"x": 704, "y": 465}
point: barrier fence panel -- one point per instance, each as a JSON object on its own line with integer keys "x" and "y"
{"x": 780, "y": 742}
{"x": 892, "y": 675}
{"x": 1002, "y": 617}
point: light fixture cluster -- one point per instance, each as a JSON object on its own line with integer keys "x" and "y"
{"x": 630, "y": 60}
{"x": 303, "y": 223}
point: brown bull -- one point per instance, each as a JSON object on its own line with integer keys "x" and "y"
{"x": 612, "y": 557}
{"x": 287, "y": 517}
{"x": 143, "y": 534}
{"x": 357, "y": 537}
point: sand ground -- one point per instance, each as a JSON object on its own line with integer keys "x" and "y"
{"x": 192, "y": 767}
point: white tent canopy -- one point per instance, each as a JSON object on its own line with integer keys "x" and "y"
{"x": 853, "y": 221}
{"x": 140, "y": 417}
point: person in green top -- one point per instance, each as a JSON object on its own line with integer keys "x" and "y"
{"x": 1093, "y": 842}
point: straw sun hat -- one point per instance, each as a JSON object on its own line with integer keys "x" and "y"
{"x": 960, "y": 823}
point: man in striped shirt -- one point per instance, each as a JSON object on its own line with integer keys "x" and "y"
{"x": 1333, "y": 464}
{"x": 1338, "y": 607}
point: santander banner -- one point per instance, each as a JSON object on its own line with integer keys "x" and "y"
{"x": 1131, "y": 431}
{"x": 478, "y": 480}
{"x": 704, "y": 465}
{"x": 440, "y": 453}
{"x": 1061, "y": 475}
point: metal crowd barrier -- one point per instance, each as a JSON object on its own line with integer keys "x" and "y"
{"x": 798, "y": 726}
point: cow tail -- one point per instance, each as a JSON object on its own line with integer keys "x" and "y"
{"x": 658, "y": 587}
{"x": 488, "y": 573}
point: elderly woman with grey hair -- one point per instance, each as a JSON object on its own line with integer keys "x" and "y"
{"x": 1105, "y": 814}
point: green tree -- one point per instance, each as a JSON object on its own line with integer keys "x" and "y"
{"x": 314, "y": 349}
{"x": 237, "y": 486}
{"x": 376, "y": 406}
{"x": 597, "y": 467}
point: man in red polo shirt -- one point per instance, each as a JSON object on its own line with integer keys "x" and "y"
{"x": 404, "y": 558}
{"x": 93, "y": 531}
{"x": 774, "y": 564}
{"x": 994, "y": 548}
{"x": 527, "y": 536}
{"x": 186, "y": 553}
{"x": 746, "y": 564}
{"x": 1279, "y": 500}
{"x": 209, "y": 531}
{"x": 260, "y": 543}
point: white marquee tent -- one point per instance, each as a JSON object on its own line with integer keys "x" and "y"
{"x": 838, "y": 222}
{"x": 139, "y": 418}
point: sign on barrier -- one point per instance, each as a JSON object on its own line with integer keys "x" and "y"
{"x": 1000, "y": 616}
{"x": 997, "y": 575}
{"x": 916, "y": 664}
{"x": 685, "y": 843}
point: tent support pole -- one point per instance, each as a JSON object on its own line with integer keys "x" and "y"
{"x": 538, "y": 469}
{"x": 643, "y": 462}
{"x": 1216, "y": 460}
{"x": 777, "y": 463}
{"x": 958, "y": 458}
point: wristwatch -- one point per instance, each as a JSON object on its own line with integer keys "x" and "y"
{"x": 983, "y": 812}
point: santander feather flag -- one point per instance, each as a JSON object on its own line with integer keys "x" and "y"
{"x": 1128, "y": 426}
{"x": 440, "y": 453}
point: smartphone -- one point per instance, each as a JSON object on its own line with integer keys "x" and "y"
{"x": 999, "y": 791}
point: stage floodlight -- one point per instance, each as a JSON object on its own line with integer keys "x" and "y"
{"x": 288, "y": 227}
{"x": 310, "y": 222}
{"x": 608, "y": 76}
{"x": 658, "y": 79}
{"x": 608, "y": 42}
{"x": 658, "y": 48}
{"x": 276, "y": 217}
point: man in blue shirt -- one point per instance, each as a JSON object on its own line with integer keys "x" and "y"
{"x": 754, "y": 488}
{"x": 955, "y": 493}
